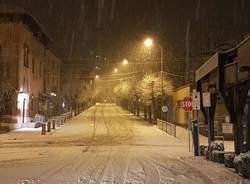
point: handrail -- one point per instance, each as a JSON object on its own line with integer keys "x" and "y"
{"x": 167, "y": 127}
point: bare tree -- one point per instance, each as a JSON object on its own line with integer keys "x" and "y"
{"x": 151, "y": 87}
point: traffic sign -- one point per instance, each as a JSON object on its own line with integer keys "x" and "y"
{"x": 196, "y": 101}
{"x": 164, "y": 108}
{"x": 206, "y": 99}
{"x": 186, "y": 104}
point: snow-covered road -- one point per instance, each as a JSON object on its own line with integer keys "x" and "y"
{"x": 105, "y": 144}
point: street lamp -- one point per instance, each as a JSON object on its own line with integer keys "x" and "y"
{"x": 97, "y": 76}
{"x": 115, "y": 70}
{"x": 125, "y": 61}
{"x": 148, "y": 43}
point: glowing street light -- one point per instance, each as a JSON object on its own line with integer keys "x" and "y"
{"x": 125, "y": 61}
{"x": 97, "y": 76}
{"x": 148, "y": 42}
{"x": 115, "y": 70}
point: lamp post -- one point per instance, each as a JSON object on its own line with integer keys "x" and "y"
{"x": 148, "y": 43}
{"x": 125, "y": 62}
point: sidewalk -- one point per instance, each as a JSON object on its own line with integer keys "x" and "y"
{"x": 31, "y": 136}
{"x": 182, "y": 135}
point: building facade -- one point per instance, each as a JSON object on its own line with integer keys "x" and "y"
{"x": 29, "y": 71}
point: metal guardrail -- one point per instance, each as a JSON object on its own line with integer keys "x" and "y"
{"x": 167, "y": 127}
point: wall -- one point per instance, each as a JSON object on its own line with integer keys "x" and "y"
{"x": 24, "y": 79}
{"x": 30, "y": 81}
{"x": 52, "y": 73}
{"x": 178, "y": 95}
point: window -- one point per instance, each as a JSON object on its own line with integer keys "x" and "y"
{"x": 26, "y": 56}
{"x": 33, "y": 66}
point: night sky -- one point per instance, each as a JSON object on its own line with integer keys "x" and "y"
{"x": 114, "y": 28}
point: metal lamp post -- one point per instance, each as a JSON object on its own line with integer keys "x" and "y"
{"x": 148, "y": 43}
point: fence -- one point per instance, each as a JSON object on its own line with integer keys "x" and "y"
{"x": 167, "y": 127}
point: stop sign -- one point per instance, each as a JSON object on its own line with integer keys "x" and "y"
{"x": 186, "y": 104}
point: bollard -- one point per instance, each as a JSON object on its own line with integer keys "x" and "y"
{"x": 43, "y": 129}
{"x": 49, "y": 126}
{"x": 61, "y": 119}
{"x": 53, "y": 124}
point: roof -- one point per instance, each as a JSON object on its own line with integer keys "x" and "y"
{"x": 213, "y": 62}
{"x": 18, "y": 14}
{"x": 207, "y": 67}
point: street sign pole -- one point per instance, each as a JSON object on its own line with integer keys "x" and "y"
{"x": 209, "y": 128}
{"x": 207, "y": 104}
{"x": 187, "y": 106}
{"x": 197, "y": 118}
{"x": 188, "y": 122}
{"x": 196, "y": 108}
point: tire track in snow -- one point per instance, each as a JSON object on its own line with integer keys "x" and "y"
{"x": 105, "y": 122}
{"x": 135, "y": 173}
{"x": 96, "y": 176}
{"x": 93, "y": 133}
{"x": 178, "y": 167}
{"x": 59, "y": 168}
{"x": 123, "y": 165}
{"x": 151, "y": 172}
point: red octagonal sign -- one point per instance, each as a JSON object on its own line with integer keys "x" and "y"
{"x": 186, "y": 104}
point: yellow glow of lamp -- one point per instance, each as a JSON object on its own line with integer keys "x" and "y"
{"x": 125, "y": 61}
{"x": 148, "y": 42}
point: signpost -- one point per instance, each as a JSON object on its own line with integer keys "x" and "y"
{"x": 207, "y": 103}
{"x": 206, "y": 99}
{"x": 164, "y": 108}
{"x": 196, "y": 107}
{"x": 196, "y": 100}
{"x": 186, "y": 104}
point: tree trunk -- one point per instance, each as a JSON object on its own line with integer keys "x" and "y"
{"x": 145, "y": 112}
{"x": 149, "y": 114}
{"x": 138, "y": 109}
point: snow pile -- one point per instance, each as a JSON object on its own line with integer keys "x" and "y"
{"x": 216, "y": 146}
{"x": 202, "y": 150}
{"x": 229, "y": 159}
{"x": 242, "y": 164}
{"x": 30, "y": 181}
{"x": 215, "y": 152}
{"x": 218, "y": 156}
